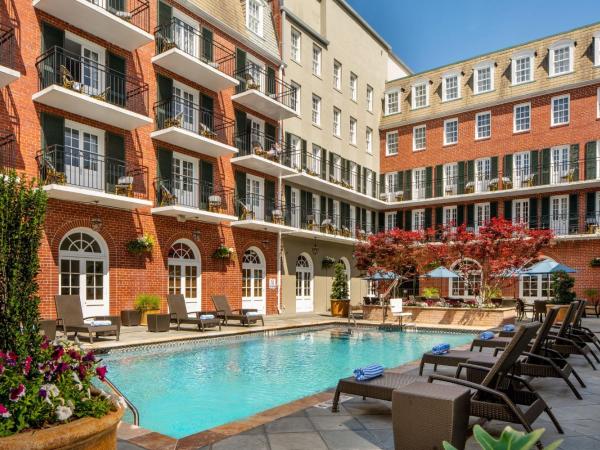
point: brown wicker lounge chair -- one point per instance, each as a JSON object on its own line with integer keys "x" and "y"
{"x": 498, "y": 396}
{"x": 70, "y": 315}
{"x": 180, "y": 314}
{"x": 224, "y": 311}
{"x": 576, "y": 328}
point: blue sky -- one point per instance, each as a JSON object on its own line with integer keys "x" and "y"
{"x": 431, "y": 33}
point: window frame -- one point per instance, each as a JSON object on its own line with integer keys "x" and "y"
{"x": 370, "y": 94}
{"x": 446, "y": 123}
{"x": 296, "y": 97}
{"x": 337, "y": 83}
{"x": 369, "y": 139}
{"x": 413, "y": 88}
{"x": 596, "y": 38}
{"x": 528, "y": 104}
{"x": 529, "y": 54}
{"x": 387, "y": 103}
{"x": 481, "y": 66}
{"x": 352, "y": 130}
{"x": 563, "y": 43}
{"x": 317, "y": 112}
{"x": 337, "y": 131}
{"x": 261, "y": 17}
{"x": 318, "y": 62}
{"x": 414, "y": 137}
{"x": 445, "y": 78}
{"x": 294, "y": 31}
{"x": 353, "y": 87}
{"x": 387, "y": 142}
{"x": 520, "y": 201}
{"x": 552, "y": 118}
{"x": 477, "y": 116}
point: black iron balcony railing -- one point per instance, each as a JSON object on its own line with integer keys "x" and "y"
{"x": 178, "y": 34}
{"x": 266, "y": 82}
{"x": 136, "y": 12}
{"x": 8, "y": 150}
{"x": 178, "y": 112}
{"x": 59, "y": 164}
{"x": 83, "y": 75}
{"x": 259, "y": 144}
{"x": 193, "y": 193}
{"x": 8, "y": 44}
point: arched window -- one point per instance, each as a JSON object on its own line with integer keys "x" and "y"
{"x": 348, "y": 274}
{"x": 304, "y": 284}
{"x": 253, "y": 280}
{"x": 469, "y": 280}
{"x": 83, "y": 270}
{"x": 185, "y": 272}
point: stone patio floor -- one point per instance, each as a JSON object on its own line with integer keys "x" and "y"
{"x": 366, "y": 424}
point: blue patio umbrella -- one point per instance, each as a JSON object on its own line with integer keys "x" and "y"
{"x": 547, "y": 267}
{"x": 440, "y": 272}
{"x": 382, "y": 276}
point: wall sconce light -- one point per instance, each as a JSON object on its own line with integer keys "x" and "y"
{"x": 196, "y": 235}
{"x": 96, "y": 224}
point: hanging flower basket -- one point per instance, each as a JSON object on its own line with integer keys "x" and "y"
{"x": 223, "y": 252}
{"x": 595, "y": 262}
{"x": 142, "y": 245}
{"x": 327, "y": 262}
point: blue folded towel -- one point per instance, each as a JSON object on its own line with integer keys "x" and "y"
{"x": 253, "y": 313}
{"x": 207, "y": 316}
{"x": 440, "y": 349}
{"x": 487, "y": 335}
{"x": 508, "y": 327}
{"x": 368, "y": 372}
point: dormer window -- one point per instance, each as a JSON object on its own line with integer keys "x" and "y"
{"x": 597, "y": 49}
{"x": 522, "y": 67}
{"x": 420, "y": 95}
{"x": 255, "y": 16}
{"x": 392, "y": 102}
{"x": 450, "y": 87}
{"x": 483, "y": 80}
{"x": 561, "y": 57}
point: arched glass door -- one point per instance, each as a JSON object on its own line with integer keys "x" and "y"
{"x": 253, "y": 280}
{"x": 184, "y": 273}
{"x": 304, "y": 284}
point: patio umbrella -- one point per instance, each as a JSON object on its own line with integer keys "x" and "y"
{"x": 381, "y": 276}
{"x": 547, "y": 267}
{"x": 440, "y": 272}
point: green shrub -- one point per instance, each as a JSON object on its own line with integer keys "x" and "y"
{"x": 509, "y": 440}
{"x": 431, "y": 292}
{"x": 339, "y": 287}
{"x": 146, "y": 302}
{"x": 562, "y": 288}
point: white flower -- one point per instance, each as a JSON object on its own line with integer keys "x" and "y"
{"x": 77, "y": 381}
{"x": 51, "y": 390}
{"x": 63, "y": 413}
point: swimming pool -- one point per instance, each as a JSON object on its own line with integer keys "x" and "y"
{"x": 187, "y": 388}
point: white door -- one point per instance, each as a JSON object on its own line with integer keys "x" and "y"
{"x": 185, "y": 36}
{"x": 253, "y": 281}
{"x": 482, "y": 215}
{"x": 255, "y": 200}
{"x": 83, "y": 266}
{"x": 184, "y": 180}
{"x": 304, "y": 284}
{"x": 295, "y": 212}
{"x": 450, "y": 179}
{"x": 91, "y": 77}
{"x": 183, "y": 103}
{"x": 559, "y": 214}
{"x": 419, "y": 176}
{"x": 521, "y": 211}
{"x": 184, "y": 273}
{"x": 559, "y": 165}
{"x": 84, "y": 156}
{"x": 483, "y": 171}
{"x": 520, "y": 169}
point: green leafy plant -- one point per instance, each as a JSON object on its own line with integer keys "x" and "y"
{"x": 591, "y": 294}
{"x": 509, "y": 440}
{"x": 562, "y": 288}
{"x": 140, "y": 245}
{"x": 147, "y": 302}
{"x": 431, "y": 292}
{"x": 223, "y": 252}
{"x": 595, "y": 262}
{"x": 339, "y": 287}
{"x": 327, "y": 262}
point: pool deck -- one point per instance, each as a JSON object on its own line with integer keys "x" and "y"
{"x": 308, "y": 424}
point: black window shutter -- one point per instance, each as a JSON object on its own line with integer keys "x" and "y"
{"x": 165, "y": 88}
{"x": 590, "y": 206}
{"x": 533, "y": 213}
{"x": 323, "y": 206}
{"x": 534, "y": 166}
{"x": 439, "y": 180}
{"x": 271, "y": 88}
{"x": 461, "y": 178}
{"x": 471, "y": 216}
{"x": 115, "y": 146}
{"x": 330, "y": 208}
{"x": 460, "y": 215}
{"x": 345, "y": 212}
{"x": 428, "y": 217}
{"x": 545, "y": 219}
{"x": 240, "y": 63}
{"x": 206, "y": 173}
{"x": 428, "y": 182}
{"x": 408, "y": 220}
{"x": 399, "y": 220}
{"x": 494, "y": 167}
{"x": 207, "y": 44}
{"x": 573, "y": 213}
{"x": 303, "y": 153}
{"x": 382, "y": 184}
{"x": 269, "y": 199}
{"x": 270, "y": 132}
{"x": 407, "y": 184}
{"x": 471, "y": 170}
{"x": 240, "y": 186}
{"x": 207, "y": 104}
{"x": 545, "y": 171}
{"x": 374, "y": 183}
{"x": 508, "y": 209}
{"x": 52, "y": 36}
{"x": 165, "y": 14}
{"x": 574, "y": 161}
{"x": 591, "y": 162}
{"x": 165, "y": 169}
{"x": 324, "y": 164}
{"x": 493, "y": 209}
{"x": 381, "y": 221}
{"x": 331, "y": 155}
{"x": 53, "y": 130}
{"x": 439, "y": 216}
{"x": 399, "y": 181}
{"x": 507, "y": 167}
{"x": 309, "y": 203}
{"x": 116, "y": 79}
{"x": 373, "y": 219}
{"x": 114, "y": 165}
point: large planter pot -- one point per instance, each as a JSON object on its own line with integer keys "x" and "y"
{"x": 340, "y": 308}
{"x": 131, "y": 317}
{"x": 561, "y": 313}
{"x": 144, "y": 318}
{"x": 82, "y": 434}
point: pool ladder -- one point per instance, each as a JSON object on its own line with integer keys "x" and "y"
{"x": 131, "y": 406}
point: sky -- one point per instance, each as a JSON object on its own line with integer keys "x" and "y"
{"x": 430, "y": 33}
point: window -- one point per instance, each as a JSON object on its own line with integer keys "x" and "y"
{"x": 597, "y": 49}
{"x": 392, "y": 102}
{"x": 482, "y": 215}
{"x": 369, "y": 98}
{"x": 561, "y": 58}
{"x": 418, "y": 219}
{"x": 295, "y": 45}
{"x": 253, "y": 280}
{"x": 352, "y": 130}
{"x": 559, "y": 214}
{"x": 451, "y": 87}
{"x": 184, "y": 273}
{"x": 316, "y": 60}
{"x": 419, "y": 181}
{"x": 450, "y": 179}
{"x": 450, "y": 131}
{"x": 483, "y": 125}
{"x": 521, "y": 169}
{"x": 369, "y": 139}
{"x": 295, "y": 97}
{"x": 450, "y": 216}
{"x": 419, "y": 137}
{"x": 337, "y": 117}
{"x": 390, "y": 182}
{"x": 419, "y": 95}
{"x": 316, "y": 110}
{"x": 522, "y": 117}
{"x": 390, "y": 221}
{"x": 522, "y": 68}
{"x": 484, "y": 79}
{"x": 469, "y": 281}
{"x": 483, "y": 174}
{"x": 353, "y": 86}
{"x": 337, "y": 75}
{"x": 304, "y": 284}
{"x": 560, "y": 110}
{"x": 559, "y": 164}
{"x": 254, "y": 16}
{"x": 520, "y": 212}
{"x": 391, "y": 143}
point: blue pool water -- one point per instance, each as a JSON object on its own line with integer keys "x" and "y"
{"x": 182, "y": 390}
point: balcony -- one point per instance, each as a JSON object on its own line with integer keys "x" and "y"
{"x": 188, "y": 53}
{"x": 262, "y": 92}
{"x": 8, "y": 47}
{"x": 186, "y": 125}
{"x": 81, "y": 176}
{"x": 125, "y": 24}
{"x": 262, "y": 153}
{"x": 315, "y": 224}
{"x": 255, "y": 212}
{"x": 186, "y": 198}
{"x": 81, "y": 86}
{"x": 8, "y": 151}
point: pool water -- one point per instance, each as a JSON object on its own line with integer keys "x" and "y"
{"x": 182, "y": 390}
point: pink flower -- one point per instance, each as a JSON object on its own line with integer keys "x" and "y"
{"x": 89, "y": 357}
{"x": 58, "y": 352}
{"x": 45, "y": 343}
{"x": 1, "y": 369}
{"x": 27, "y": 365}
{"x": 17, "y": 393}
{"x": 11, "y": 359}
{"x": 101, "y": 372}
{"x": 74, "y": 354}
{"x": 4, "y": 411}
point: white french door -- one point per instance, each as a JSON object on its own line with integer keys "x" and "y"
{"x": 521, "y": 211}
{"x": 84, "y": 156}
{"x": 185, "y": 35}
{"x": 482, "y": 215}
{"x": 253, "y": 281}
{"x": 255, "y": 196}
{"x": 450, "y": 217}
{"x": 559, "y": 166}
{"x": 521, "y": 169}
{"x": 184, "y": 274}
{"x": 304, "y": 285}
{"x": 295, "y": 212}
{"x": 450, "y": 179}
{"x": 483, "y": 172}
{"x": 184, "y": 100}
{"x": 419, "y": 176}
{"x": 559, "y": 214}
{"x": 184, "y": 180}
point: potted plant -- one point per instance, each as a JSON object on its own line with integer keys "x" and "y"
{"x": 340, "y": 303}
{"x": 431, "y": 293}
{"x": 223, "y": 252}
{"x": 147, "y": 304}
{"x": 327, "y": 262}
{"x": 562, "y": 290}
{"x": 595, "y": 262}
{"x": 141, "y": 245}
{"x": 509, "y": 439}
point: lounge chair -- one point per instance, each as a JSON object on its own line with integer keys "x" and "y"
{"x": 498, "y": 396}
{"x": 70, "y": 315}
{"x": 584, "y": 333}
{"x": 180, "y": 314}
{"x": 224, "y": 311}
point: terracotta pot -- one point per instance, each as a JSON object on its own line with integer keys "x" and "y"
{"x": 561, "y": 314}
{"x": 144, "y": 318}
{"x": 82, "y": 434}
{"x": 340, "y": 308}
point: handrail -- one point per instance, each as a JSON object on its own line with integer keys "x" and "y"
{"x": 131, "y": 406}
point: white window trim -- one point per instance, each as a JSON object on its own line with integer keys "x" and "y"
{"x": 513, "y": 67}
{"x": 387, "y": 93}
{"x": 319, "y": 110}
{"x": 338, "y": 132}
{"x": 82, "y": 128}
{"x": 477, "y": 138}
{"x": 598, "y": 103}
{"x": 597, "y": 49}
{"x": 514, "y": 210}
{"x": 351, "y": 134}
{"x": 295, "y": 30}
{"x": 415, "y": 149}
{"x": 369, "y": 139}
{"x": 558, "y": 97}
{"x": 261, "y": 17}
{"x": 319, "y": 61}
{"x": 387, "y": 150}
{"x": 353, "y": 87}
{"x": 449, "y": 208}
{"x": 298, "y": 95}
{"x": 370, "y": 98}
{"x": 483, "y": 65}
{"x": 559, "y": 44}
{"x": 337, "y": 87}
{"x": 515, "y": 118}
{"x": 458, "y": 82}
{"x": 413, "y": 97}
{"x": 415, "y": 212}
{"x": 447, "y": 121}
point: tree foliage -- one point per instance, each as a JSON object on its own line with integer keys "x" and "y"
{"x": 339, "y": 287}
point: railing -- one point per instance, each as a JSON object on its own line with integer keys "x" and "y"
{"x": 178, "y": 112}
{"x": 259, "y": 144}
{"x": 177, "y": 34}
{"x": 8, "y": 151}
{"x": 134, "y": 411}
{"x": 136, "y": 12}
{"x": 8, "y": 44}
{"x": 66, "y": 165}
{"x": 86, "y": 76}
{"x": 255, "y": 77}
{"x": 193, "y": 193}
